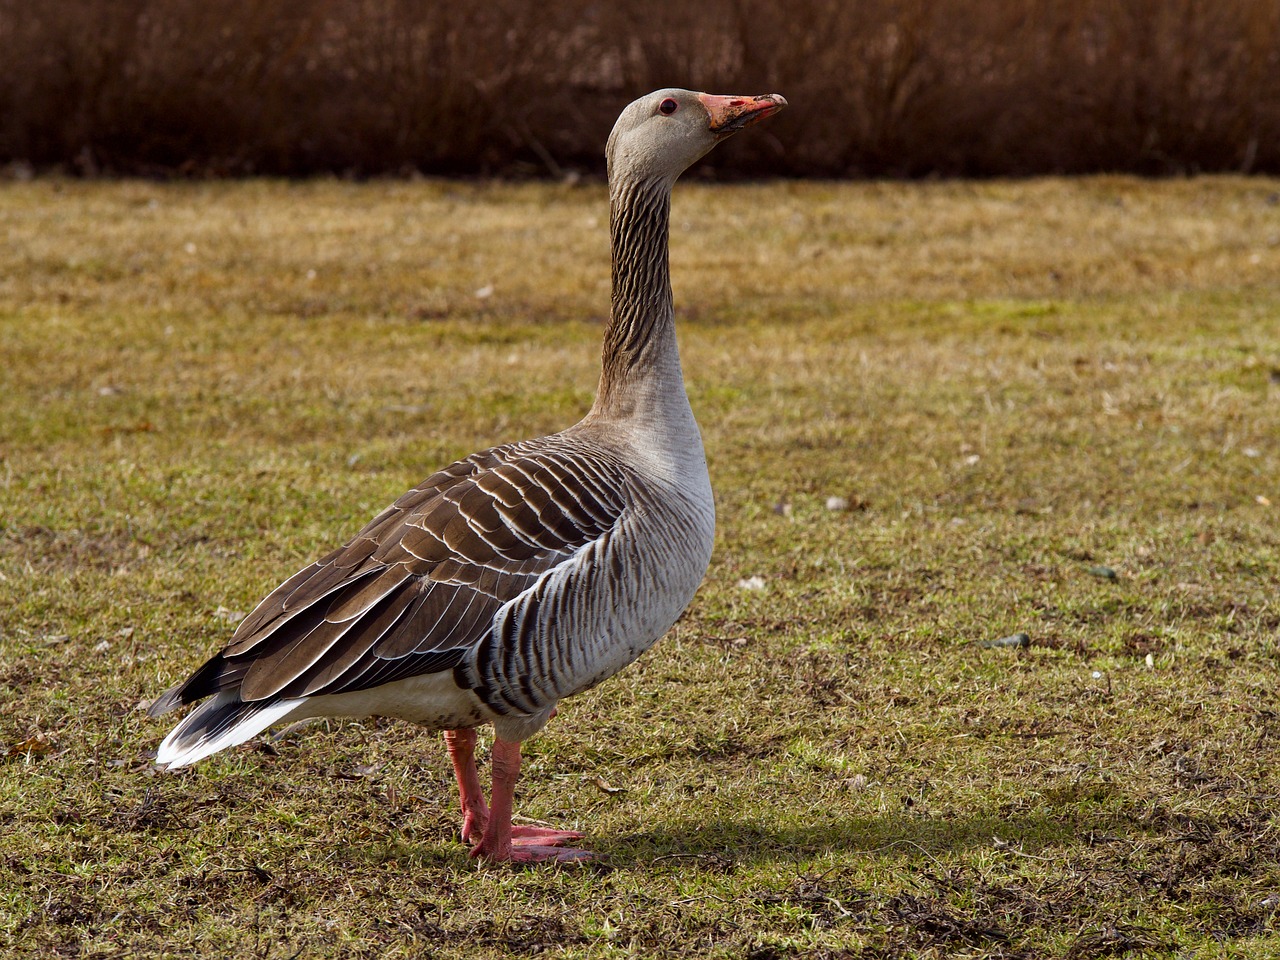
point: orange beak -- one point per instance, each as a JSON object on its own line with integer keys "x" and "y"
{"x": 730, "y": 114}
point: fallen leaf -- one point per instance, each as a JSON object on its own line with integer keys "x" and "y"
{"x": 37, "y": 745}
{"x": 605, "y": 786}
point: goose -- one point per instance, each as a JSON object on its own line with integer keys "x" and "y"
{"x": 522, "y": 574}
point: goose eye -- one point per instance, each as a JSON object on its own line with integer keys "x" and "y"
{"x": 668, "y": 106}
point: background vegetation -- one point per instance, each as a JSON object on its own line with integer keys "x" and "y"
{"x": 1049, "y": 407}
{"x": 878, "y": 87}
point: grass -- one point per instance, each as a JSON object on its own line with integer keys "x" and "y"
{"x": 1012, "y": 385}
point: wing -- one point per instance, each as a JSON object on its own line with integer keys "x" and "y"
{"x": 419, "y": 586}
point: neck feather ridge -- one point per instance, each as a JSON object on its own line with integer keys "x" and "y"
{"x": 640, "y": 334}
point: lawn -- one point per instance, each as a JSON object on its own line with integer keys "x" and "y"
{"x": 936, "y": 415}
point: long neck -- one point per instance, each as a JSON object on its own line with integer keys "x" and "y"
{"x": 640, "y": 355}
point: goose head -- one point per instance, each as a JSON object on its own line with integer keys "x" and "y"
{"x": 660, "y": 135}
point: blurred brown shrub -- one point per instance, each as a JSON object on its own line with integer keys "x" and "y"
{"x": 877, "y": 87}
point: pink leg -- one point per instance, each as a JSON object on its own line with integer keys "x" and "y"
{"x": 475, "y": 812}
{"x": 522, "y": 844}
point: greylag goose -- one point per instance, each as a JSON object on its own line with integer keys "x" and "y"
{"x": 522, "y": 574}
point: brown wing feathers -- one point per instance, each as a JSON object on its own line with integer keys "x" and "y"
{"x": 420, "y": 585}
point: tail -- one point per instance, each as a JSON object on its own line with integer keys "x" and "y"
{"x": 220, "y": 722}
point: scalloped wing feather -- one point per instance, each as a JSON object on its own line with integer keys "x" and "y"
{"x": 418, "y": 588}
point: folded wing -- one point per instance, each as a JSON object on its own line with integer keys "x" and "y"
{"x": 418, "y": 588}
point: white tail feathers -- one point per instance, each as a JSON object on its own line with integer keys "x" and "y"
{"x": 218, "y": 723}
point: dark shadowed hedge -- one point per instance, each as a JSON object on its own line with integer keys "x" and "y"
{"x": 877, "y": 87}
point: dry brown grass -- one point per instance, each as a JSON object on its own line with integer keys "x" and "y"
{"x": 878, "y": 87}
{"x": 206, "y": 385}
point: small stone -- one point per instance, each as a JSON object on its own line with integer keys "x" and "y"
{"x": 485, "y": 292}
{"x": 751, "y": 583}
{"x": 836, "y": 504}
{"x": 1016, "y": 640}
{"x": 1103, "y": 573}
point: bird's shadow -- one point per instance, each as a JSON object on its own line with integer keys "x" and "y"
{"x": 899, "y": 836}
{"x": 724, "y": 843}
